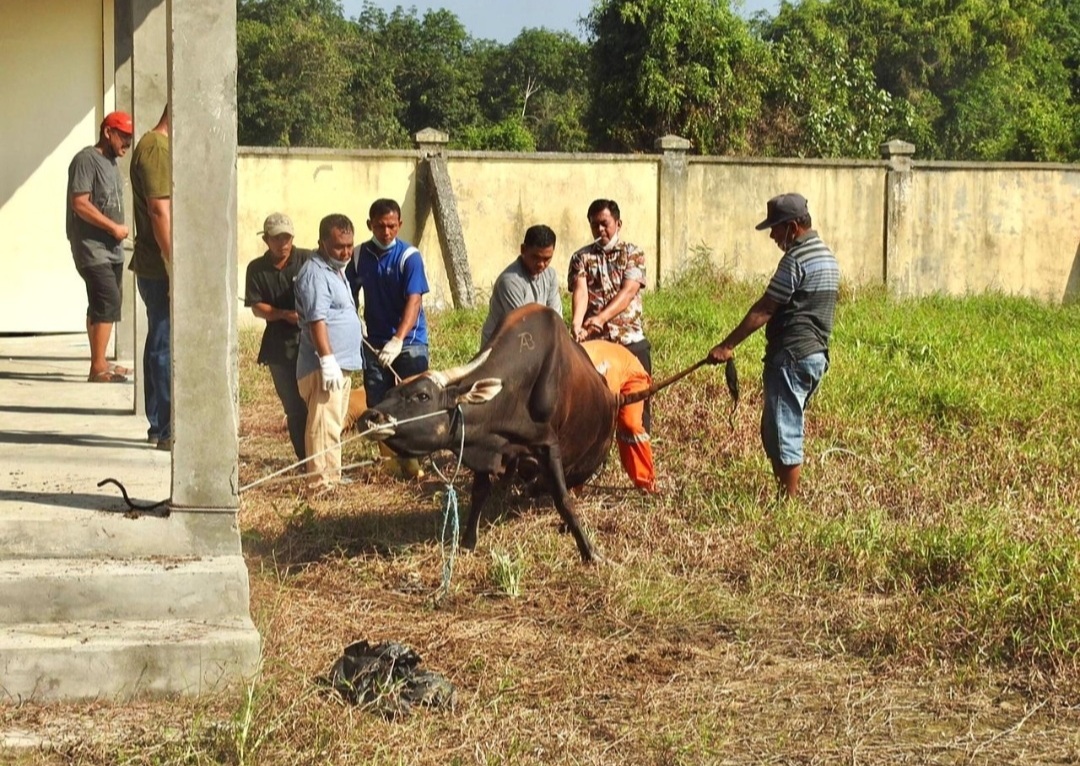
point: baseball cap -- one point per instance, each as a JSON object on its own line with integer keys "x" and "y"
{"x": 277, "y": 223}
{"x": 119, "y": 121}
{"x": 783, "y": 208}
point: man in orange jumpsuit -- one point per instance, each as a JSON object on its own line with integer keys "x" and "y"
{"x": 625, "y": 374}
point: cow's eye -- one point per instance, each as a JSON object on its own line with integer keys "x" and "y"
{"x": 423, "y": 397}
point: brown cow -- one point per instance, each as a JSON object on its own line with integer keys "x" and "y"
{"x": 531, "y": 394}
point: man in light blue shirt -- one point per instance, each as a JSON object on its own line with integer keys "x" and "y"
{"x": 330, "y": 340}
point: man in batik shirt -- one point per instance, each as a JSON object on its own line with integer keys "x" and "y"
{"x": 605, "y": 283}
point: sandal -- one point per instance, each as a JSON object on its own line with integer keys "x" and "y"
{"x": 108, "y": 376}
{"x": 120, "y": 369}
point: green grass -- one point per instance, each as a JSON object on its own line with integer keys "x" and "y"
{"x": 919, "y": 602}
{"x": 943, "y": 451}
{"x": 942, "y": 457}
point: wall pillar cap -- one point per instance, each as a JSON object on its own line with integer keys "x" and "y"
{"x": 431, "y": 140}
{"x": 896, "y": 148}
{"x": 672, "y": 143}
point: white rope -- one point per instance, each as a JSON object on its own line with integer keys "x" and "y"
{"x": 298, "y": 463}
{"x": 397, "y": 378}
{"x": 450, "y": 511}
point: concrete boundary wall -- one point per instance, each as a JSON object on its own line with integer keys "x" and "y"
{"x": 919, "y": 227}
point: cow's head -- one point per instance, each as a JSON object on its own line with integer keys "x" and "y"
{"x": 417, "y": 417}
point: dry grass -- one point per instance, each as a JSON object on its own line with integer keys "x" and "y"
{"x": 913, "y": 608}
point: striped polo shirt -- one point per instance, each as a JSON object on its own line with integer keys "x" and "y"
{"x": 805, "y": 286}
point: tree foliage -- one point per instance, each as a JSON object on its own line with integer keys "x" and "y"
{"x": 689, "y": 67}
{"x": 961, "y": 79}
{"x": 294, "y": 67}
{"x": 973, "y": 79}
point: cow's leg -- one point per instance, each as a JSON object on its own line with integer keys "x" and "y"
{"x": 563, "y": 502}
{"x": 481, "y": 490}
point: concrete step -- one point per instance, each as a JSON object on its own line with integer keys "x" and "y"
{"x": 46, "y": 590}
{"x": 49, "y": 531}
{"x": 123, "y": 659}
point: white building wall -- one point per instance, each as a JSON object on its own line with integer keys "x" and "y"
{"x": 52, "y": 79}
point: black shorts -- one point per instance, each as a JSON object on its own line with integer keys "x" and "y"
{"x": 104, "y": 291}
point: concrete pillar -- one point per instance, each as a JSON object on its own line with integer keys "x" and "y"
{"x": 440, "y": 191}
{"x": 123, "y": 45}
{"x": 896, "y": 267}
{"x": 202, "y": 97}
{"x": 673, "y": 235}
{"x": 149, "y": 92}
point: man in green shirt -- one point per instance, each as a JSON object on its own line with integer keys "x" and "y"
{"x": 151, "y": 187}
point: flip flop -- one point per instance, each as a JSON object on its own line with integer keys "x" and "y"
{"x": 107, "y": 377}
{"x": 120, "y": 369}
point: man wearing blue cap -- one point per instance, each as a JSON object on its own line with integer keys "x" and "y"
{"x": 797, "y": 311}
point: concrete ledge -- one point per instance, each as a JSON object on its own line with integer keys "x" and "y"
{"x": 110, "y": 659}
{"x": 44, "y": 590}
{"x": 42, "y": 532}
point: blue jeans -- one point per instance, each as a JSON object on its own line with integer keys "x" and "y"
{"x": 412, "y": 360}
{"x": 788, "y": 385}
{"x": 157, "y": 357}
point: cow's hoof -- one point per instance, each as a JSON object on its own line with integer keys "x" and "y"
{"x": 467, "y": 544}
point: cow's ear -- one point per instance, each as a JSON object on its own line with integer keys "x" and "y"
{"x": 483, "y": 390}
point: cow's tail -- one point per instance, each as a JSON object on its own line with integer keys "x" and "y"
{"x": 731, "y": 375}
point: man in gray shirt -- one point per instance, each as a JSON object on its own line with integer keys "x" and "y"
{"x": 96, "y": 231}
{"x": 529, "y": 279}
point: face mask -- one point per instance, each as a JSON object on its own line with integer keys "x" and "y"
{"x": 612, "y": 243}
{"x": 334, "y": 263}
{"x": 380, "y": 246}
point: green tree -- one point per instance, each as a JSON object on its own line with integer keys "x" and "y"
{"x": 821, "y": 101}
{"x": 293, "y": 73}
{"x": 430, "y": 65}
{"x": 973, "y": 79}
{"x": 689, "y": 67}
{"x": 539, "y": 78}
{"x": 509, "y": 135}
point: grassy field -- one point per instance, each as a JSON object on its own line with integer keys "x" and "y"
{"x": 918, "y": 604}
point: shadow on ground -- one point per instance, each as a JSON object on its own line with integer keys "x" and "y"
{"x": 73, "y": 500}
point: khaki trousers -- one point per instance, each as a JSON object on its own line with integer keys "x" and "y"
{"x": 325, "y": 417}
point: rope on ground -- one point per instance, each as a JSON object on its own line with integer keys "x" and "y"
{"x": 450, "y": 516}
{"x": 139, "y": 507}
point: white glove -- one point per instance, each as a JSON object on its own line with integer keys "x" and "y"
{"x": 332, "y": 377}
{"x": 390, "y": 351}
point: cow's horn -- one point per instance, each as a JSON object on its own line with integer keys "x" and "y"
{"x": 445, "y": 377}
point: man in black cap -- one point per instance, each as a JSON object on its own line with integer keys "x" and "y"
{"x": 797, "y": 310}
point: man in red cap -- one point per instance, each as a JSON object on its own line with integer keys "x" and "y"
{"x": 96, "y": 231}
{"x": 797, "y": 311}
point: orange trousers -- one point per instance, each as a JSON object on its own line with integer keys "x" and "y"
{"x": 624, "y": 374}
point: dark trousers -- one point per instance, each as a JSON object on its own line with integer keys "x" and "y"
{"x": 157, "y": 357}
{"x": 643, "y": 351}
{"x": 412, "y": 360}
{"x": 284, "y": 377}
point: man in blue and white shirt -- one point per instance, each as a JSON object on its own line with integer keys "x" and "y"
{"x": 390, "y": 271}
{"x": 330, "y": 338}
{"x": 797, "y": 310}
